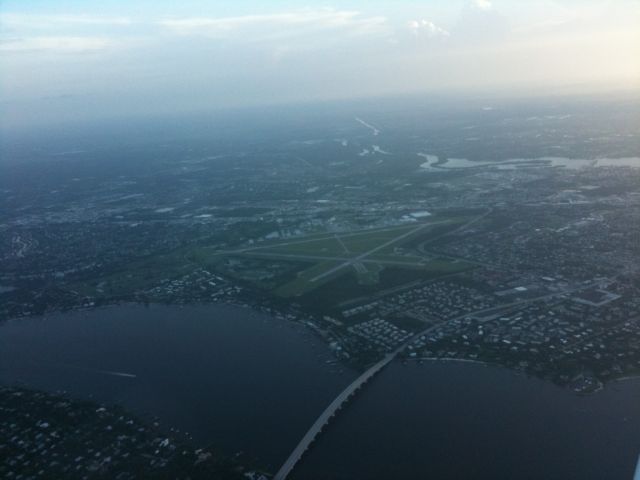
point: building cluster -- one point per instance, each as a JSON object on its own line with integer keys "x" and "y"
{"x": 571, "y": 240}
{"x": 381, "y": 333}
{"x": 577, "y": 334}
{"x": 46, "y": 436}
{"x": 563, "y": 338}
{"x": 430, "y": 301}
{"x": 198, "y": 285}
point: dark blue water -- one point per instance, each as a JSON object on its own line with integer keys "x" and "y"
{"x": 467, "y": 421}
{"x": 232, "y": 378}
{"x": 246, "y": 382}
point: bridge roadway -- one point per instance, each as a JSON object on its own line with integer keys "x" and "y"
{"x": 337, "y": 403}
{"x": 329, "y": 412}
{"x": 344, "y": 396}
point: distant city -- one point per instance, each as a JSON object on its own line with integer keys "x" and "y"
{"x": 531, "y": 264}
{"x": 505, "y": 236}
{"x": 277, "y": 240}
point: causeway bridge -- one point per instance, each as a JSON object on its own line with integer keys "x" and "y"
{"x": 339, "y": 401}
{"x": 328, "y": 413}
{"x": 348, "y": 392}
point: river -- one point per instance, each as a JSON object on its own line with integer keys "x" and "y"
{"x": 246, "y": 382}
{"x": 448, "y": 420}
{"x": 233, "y": 378}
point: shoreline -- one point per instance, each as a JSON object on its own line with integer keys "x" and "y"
{"x": 275, "y": 312}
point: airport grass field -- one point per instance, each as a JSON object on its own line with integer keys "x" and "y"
{"x": 368, "y": 259}
{"x": 364, "y": 254}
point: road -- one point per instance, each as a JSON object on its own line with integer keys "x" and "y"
{"x": 296, "y": 256}
{"x": 314, "y": 238}
{"x": 344, "y": 247}
{"x": 347, "y": 393}
{"x": 337, "y": 403}
{"x": 459, "y": 229}
{"x": 326, "y": 416}
{"x": 364, "y": 255}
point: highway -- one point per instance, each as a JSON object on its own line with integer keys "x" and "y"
{"x": 328, "y": 413}
{"x": 337, "y": 403}
{"x": 348, "y": 392}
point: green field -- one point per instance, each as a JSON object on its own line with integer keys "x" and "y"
{"x": 362, "y": 254}
{"x": 138, "y": 275}
{"x": 325, "y": 246}
{"x": 297, "y": 267}
{"x": 303, "y": 283}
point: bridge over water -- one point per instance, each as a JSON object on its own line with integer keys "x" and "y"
{"x": 340, "y": 400}
{"x": 328, "y": 413}
{"x": 346, "y": 394}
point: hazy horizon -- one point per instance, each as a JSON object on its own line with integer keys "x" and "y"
{"x": 289, "y": 240}
{"x": 74, "y": 61}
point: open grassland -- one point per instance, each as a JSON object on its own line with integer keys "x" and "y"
{"x": 296, "y": 267}
{"x": 304, "y": 283}
{"x": 138, "y": 275}
{"x": 325, "y": 246}
{"x": 364, "y": 253}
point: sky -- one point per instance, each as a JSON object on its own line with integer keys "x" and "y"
{"x": 64, "y": 60}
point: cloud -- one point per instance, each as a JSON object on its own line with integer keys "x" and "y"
{"x": 58, "y": 33}
{"x": 483, "y": 4}
{"x": 56, "y": 44}
{"x": 427, "y": 28}
{"x": 217, "y": 59}
{"x": 23, "y": 20}
{"x": 480, "y": 23}
{"x": 279, "y": 25}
